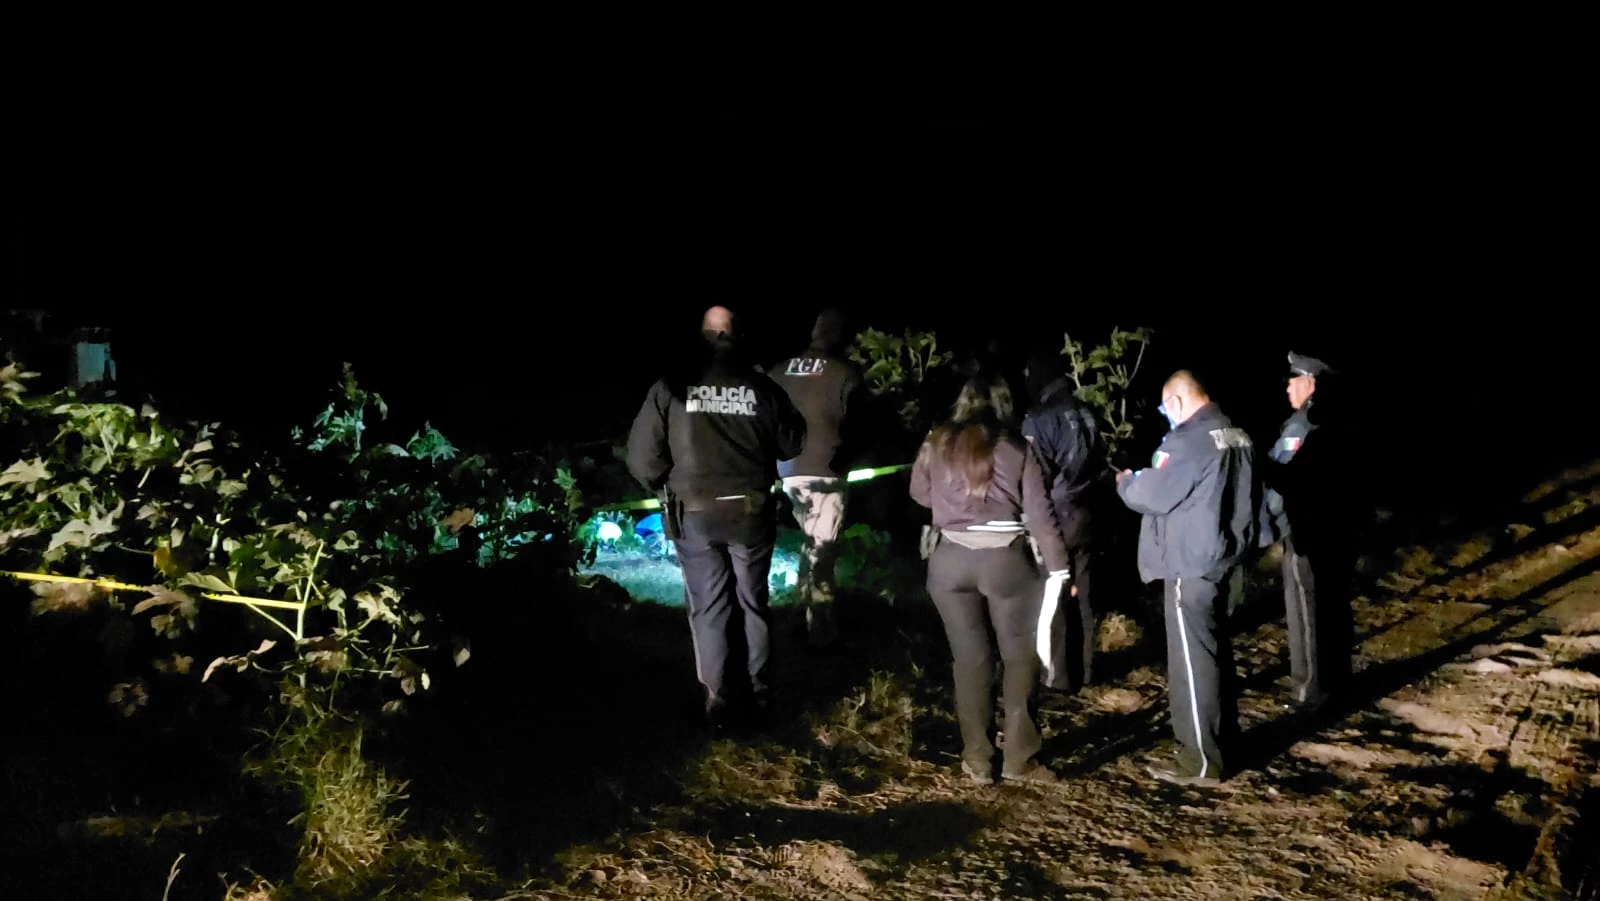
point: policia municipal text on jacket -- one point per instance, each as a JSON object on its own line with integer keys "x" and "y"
{"x": 1198, "y": 498}
{"x": 978, "y": 477}
{"x": 709, "y": 438}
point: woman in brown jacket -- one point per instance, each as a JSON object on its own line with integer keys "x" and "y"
{"x": 978, "y": 476}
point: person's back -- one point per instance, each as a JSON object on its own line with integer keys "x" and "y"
{"x": 945, "y": 491}
{"x": 821, "y": 382}
{"x": 979, "y": 479}
{"x": 726, "y": 427}
{"x": 823, "y": 385}
{"x": 712, "y": 434}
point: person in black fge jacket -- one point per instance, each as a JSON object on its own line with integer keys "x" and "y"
{"x": 708, "y": 440}
{"x": 1199, "y": 498}
{"x": 825, "y": 387}
{"x": 1309, "y": 507}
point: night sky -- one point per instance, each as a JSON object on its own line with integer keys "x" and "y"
{"x": 512, "y": 269}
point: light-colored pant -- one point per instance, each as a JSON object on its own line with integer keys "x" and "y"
{"x": 819, "y": 510}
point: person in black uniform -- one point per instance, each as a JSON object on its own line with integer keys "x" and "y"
{"x": 708, "y": 440}
{"x": 1307, "y": 506}
{"x": 825, "y": 387}
{"x": 978, "y": 476}
{"x": 1199, "y": 498}
{"x": 1065, "y": 434}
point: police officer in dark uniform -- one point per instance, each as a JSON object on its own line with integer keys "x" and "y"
{"x": 708, "y": 440}
{"x": 1067, "y": 439}
{"x": 1199, "y": 499}
{"x": 1307, "y": 506}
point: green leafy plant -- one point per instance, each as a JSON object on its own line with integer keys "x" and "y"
{"x": 1101, "y": 377}
{"x": 868, "y": 563}
{"x": 109, "y": 493}
{"x": 896, "y": 367}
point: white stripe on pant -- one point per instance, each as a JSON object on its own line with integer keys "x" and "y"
{"x": 1194, "y": 699}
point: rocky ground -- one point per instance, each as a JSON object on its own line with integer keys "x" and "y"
{"x": 1461, "y": 766}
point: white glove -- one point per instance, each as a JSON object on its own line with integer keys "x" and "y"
{"x": 1047, "y": 614}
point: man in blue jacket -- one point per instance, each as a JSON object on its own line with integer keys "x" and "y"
{"x": 1199, "y": 498}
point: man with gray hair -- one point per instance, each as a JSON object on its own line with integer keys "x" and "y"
{"x": 824, "y": 385}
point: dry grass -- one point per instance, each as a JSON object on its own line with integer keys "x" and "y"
{"x": 855, "y": 757}
{"x": 354, "y": 842}
{"x": 876, "y": 720}
{"x": 1118, "y": 632}
{"x": 257, "y": 889}
{"x": 348, "y": 820}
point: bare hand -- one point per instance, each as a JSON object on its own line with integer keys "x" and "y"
{"x": 1123, "y": 474}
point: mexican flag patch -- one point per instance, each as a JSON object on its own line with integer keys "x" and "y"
{"x": 1160, "y": 459}
{"x": 1292, "y": 444}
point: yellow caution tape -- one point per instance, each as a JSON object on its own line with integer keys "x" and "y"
{"x": 854, "y": 475}
{"x": 253, "y": 603}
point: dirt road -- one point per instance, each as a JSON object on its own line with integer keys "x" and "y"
{"x": 1462, "y": 766}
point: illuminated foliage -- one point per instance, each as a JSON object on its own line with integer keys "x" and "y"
{"x": 896, "y": 367}
{"x": 338, "y": 521}
{"x": 1101, "y": 377}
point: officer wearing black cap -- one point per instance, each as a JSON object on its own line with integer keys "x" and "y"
{"x": 1305, "y": 506}
{"x": 708, "y": 439}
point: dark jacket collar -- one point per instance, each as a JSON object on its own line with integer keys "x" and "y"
{"x": 1056, "y": 390}
{"x": 1204, "y": 419}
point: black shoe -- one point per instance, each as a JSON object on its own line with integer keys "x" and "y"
{"x": 1179, "y": 774}
{"x": 1306, "y": 705}
{"x": 720, "y": 717}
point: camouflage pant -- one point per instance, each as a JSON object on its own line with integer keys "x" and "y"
{"x": 819, "y": 510}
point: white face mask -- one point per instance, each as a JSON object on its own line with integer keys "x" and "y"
{"x": 1171, "y": 422}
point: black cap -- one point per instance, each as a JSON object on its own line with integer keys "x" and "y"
{"x": 1303, "y": 365}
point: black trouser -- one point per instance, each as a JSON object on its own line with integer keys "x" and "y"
{"x": 1199, "y": 672}
{"x": 726, "y": 558}
{"x": 1072, "y": 629}
{"x": 974, "y": 589}
{"x": 1316, "y": 614}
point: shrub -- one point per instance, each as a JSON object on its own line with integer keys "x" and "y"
{"x": 338, "y": 523}
{"x": 1102, "y": 376}
{"x": 896, "y": 369}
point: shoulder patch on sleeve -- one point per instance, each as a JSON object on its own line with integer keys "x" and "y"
{"x": 1160, "y": 459}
